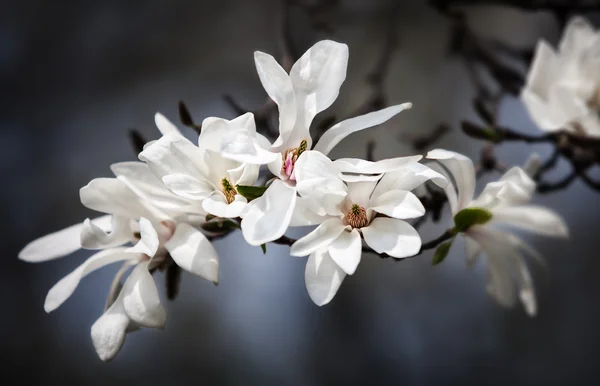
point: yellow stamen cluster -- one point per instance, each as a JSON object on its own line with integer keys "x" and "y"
{"x": 295, "y": 152}
{"x": 357, "y": 216}
{"x": 228, "y": 190}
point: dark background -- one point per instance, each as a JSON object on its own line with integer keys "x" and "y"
{"x": 76, "y": 75}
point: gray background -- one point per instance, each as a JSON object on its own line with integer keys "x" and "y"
{"x": 75, "y": 76}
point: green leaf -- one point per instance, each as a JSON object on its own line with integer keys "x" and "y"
{"x": 471, "y": 216}
{"x": 264, "y": 248}
{"x": 441, "y": 252}
{"x": 251, "y": 192}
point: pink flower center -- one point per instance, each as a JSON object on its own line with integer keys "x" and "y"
{"x": 289, "y": 158}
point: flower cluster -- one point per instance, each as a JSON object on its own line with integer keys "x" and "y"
{"x": 166, "y": 209}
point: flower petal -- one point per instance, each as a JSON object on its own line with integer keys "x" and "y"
{"x": 462, "y": 171}
{"x": 278, "y": 85}
{"x": 192, "y": 251}
{"x": 108, "y": 332}
{"x": 140, "y": 299}
{"x": 346, "y": 251}
{"x": 174, "y": 154}
{"x": 187, "y": 186}
{"x": 268, "y": 217}
{"x": 395, "y": 237}
{"x": 360, "y": 192}
{"x": 164, "y": 125}
{"x": 336, "y": 133}
{"x": 398, "y": 204}
{"x": 536, "y": 219}
{"x": 323, "y": 277}
{"x": 67, "y": 285}
{"x": 317, "y": 77}
{"x": 578, "y": 35}
{"x": 149, "y": 241}
{"x": 108, "y": 234}
{"x": 360, "y": 166}
{"x": 473, "y": 250}
{"x": 218, "y": 206}
{"x": 304, "y": 215}
{"x": 408, "y": 177}
{"x": 242, "y": 146}
{"x": 543, "y": 70}
{"x": 321, "y": 237}
{"x": 57, "y": 244}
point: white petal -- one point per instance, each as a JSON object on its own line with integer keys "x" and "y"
{"x": 346, "y": 251}
{"x": 323, "y": 277}
{"x": 111, "y": 232}
{"x": 242, "y": 146}
{"x": 149, "y": 241}
{"x": 319, "y": 238}
{"x": 532, "y": 218}
{"x": 336, "y": 133}
{"x": 67, "y": 285}
{"x": 360, "y": 192}
{"x": 545, "y": 116}
{"x": 216, "y": 130}
{"x": 543, "y": 71}
{"x": 578, "y": 35}
{"x": 304, "y": 215}
{"x": 141, "y": 300}
{"x": 462, "y": 171}
{"x": 473, "y": 250}
{"x": 318, "y": 180}
{"x": 110, "y": 195}
{"x": 187, "y": 186}
{"x": 399, "y": 204}
{"x": 54, "y": 245}
{"x": 192, "y": 251}
{"x": 164, "y": 125}
{"x": 218, "y": 206}
{"x": 317, "y": 77}
{"x": 395, "y": 237}
{"x": 409, "y": 177}
{"x": 245, "y": 174}
{"x": 108, "y": 332}
{"x": 278, "y": 85}
{"x": 357, "y": 165}
{"x": 174, "y": 154}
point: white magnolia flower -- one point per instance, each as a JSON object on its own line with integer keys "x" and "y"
{"x": 505, "y": 200}
{"x": 563, "y": 88}
{"x": 141, "y": 211}
{"x": 312, "y": 85}
{"x": 200, "y": 173}
{"x": 368, "y": 200}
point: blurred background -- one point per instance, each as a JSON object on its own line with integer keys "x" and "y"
{"x": 77, "y": 76}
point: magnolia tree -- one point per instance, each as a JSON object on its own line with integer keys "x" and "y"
{"x": 162, "y": 212}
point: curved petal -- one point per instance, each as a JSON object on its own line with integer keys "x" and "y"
{"x": 111, "y": 232}
{"x": 462, "y": 171}
{"x": 408, "y": 177}
{"x": 323, "y": 277}
{"x": 174, "y": 154}
{"x": 395, "y": 237}
{"x": 268, "y": 217}
{"x": 398, "y": 204}
{"x": 317, "y": 77}
{"x": 319, "y": 238}
{"x": 360, "y": 192}
{"x": 108, "y": 332}
{"x": 218, "y": 206}
{"x": 164, "y": 125}
{"x": 187, "y": 186}
{"x": 192, "y": 251}
{"x": 473, "y": 250}
{"x": 360, "y": 166}
{"x": 346, "y": 251}
{"x": 578, "y": 35}
{"x": 242, "y": 146}
{"x": 67, "y": 285}
{"x": 318, "y": 180}
{"x": 140, "y": 299}
{"x": 543, "y": 70}
{"x": 304, "y": 215}
{"x": 532, "y": 218}
{"x": 336, "y": 133}
{"x": 149, "y": 241}
{"x": 278, "y": 85}
{"x": 245, "y": 174}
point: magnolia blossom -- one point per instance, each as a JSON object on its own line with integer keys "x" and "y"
{"x": 141, "y": 211}
{"x": 200, "y": 173}
{"x": 563, "y": 88}
{"x": 361, "y": 199}
{"x": 506, "y": 201}
{"x": 312, "y": 85}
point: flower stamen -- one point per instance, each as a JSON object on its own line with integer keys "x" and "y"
{"x": 289, "y": 158}
{"x": 357, "y": 216}
{"x": 228, "y": 190}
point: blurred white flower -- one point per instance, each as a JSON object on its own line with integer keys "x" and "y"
{"x": 312, "y": 85}
{"x": 200, "y": 173}
{"x": 362, "y": 199}
{"x": 563, "y": 88}
{"x": 141, "y": 211}
{"x": 505, "y": 200}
